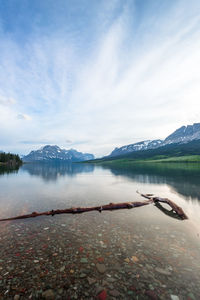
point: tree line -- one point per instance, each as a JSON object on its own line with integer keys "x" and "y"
{"x": 9, "y": 158}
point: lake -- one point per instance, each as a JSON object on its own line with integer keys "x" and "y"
{"x": 140, "y": 253}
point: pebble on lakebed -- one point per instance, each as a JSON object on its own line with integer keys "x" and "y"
{"x": 101, "y": 268}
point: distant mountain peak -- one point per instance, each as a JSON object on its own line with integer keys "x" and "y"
{"x": 184, "y": 134}
{"x": 49, "y": 147}
{"x": 143, "y": 145}
{"x": 53, "y": 152}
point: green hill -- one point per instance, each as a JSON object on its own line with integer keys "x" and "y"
{"x": 189, "y": 152}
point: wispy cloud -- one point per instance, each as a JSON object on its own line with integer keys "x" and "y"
{"x": 24, "y": 117}
{"x": 7, "y": 100}
{"x": 133, "y": 74}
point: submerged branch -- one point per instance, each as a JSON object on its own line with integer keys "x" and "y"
{"x": 167, "y": 212}
{"x": 112, "y": 206}
{"x": 177, "y": 209}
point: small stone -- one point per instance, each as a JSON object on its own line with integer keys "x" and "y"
{"x": 99, "y": 289}
{"x": 151, "y": 287}
{"x": 102, "y": 295}
{"x": 6, "y": 274}
{"x": 101, "y": 268}
{"x": 134, "y": 259}
{"x": 62, "y": 268}
{"x": 111, "y": 279}
{"x": 60, "y": 291}
{"x": 16, "y": 297}
{"x": 162, "y": 271}
{"x": 36, "y": 261}
{"x": 84, "y": 260}
{"x": 130, "y": 293}
{"x": 91, "y": 280}
{"x": 114, "y": 293}
{"x": 191, "y": 296}
{"x": 174, "y": 297}
{"x": 83, "y": 275}
{"x": 48, "y": 294}
{"x": 152, "y": 295}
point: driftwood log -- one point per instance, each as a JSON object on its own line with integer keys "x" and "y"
{"x": 176, "y": 210}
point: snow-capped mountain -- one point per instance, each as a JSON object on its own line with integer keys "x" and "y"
{"x": 144, "y": 145}
{"x": 50, "y": 153}
{"x": 182, "y": 135}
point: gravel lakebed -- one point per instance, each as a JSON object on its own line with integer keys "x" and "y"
{"x": 96, "y": 256}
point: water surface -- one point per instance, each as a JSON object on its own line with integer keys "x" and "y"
{"x": 141, "y": 253}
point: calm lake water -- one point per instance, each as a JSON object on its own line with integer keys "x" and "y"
{"x": 141, "y": 253}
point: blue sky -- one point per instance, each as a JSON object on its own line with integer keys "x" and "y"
{"x": 93, "y": 75}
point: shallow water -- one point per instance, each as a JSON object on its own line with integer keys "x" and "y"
{"x": 140, "y": 253}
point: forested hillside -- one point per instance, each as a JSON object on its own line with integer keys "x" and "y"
{"x": 10, "y": 159}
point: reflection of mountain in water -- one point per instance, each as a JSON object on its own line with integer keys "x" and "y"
{"x": 8, "y": 169}
{"x": 183, "y": 178}
{"x": 52, "y": 171}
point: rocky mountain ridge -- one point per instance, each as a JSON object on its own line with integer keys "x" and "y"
{"x": 183, "y": 134}
{"x": 52, "y": 153}
{"x": 144, "y": 145}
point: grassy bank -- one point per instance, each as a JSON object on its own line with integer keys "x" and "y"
{"x": 189, "y": 152}
{"x": 156, "y": 159}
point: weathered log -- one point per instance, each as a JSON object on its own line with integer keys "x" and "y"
{"x": 177, "y": 209}
{"x": 79, "y": 210}
{"x": 112, "y": 206}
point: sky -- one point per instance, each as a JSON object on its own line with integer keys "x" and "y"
{"x": 93, "y": 75}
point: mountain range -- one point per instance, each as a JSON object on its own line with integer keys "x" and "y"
{"x": 55, "y": 153}
{"x": 184, "y": 140}
{"x": 182, "y": 135}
